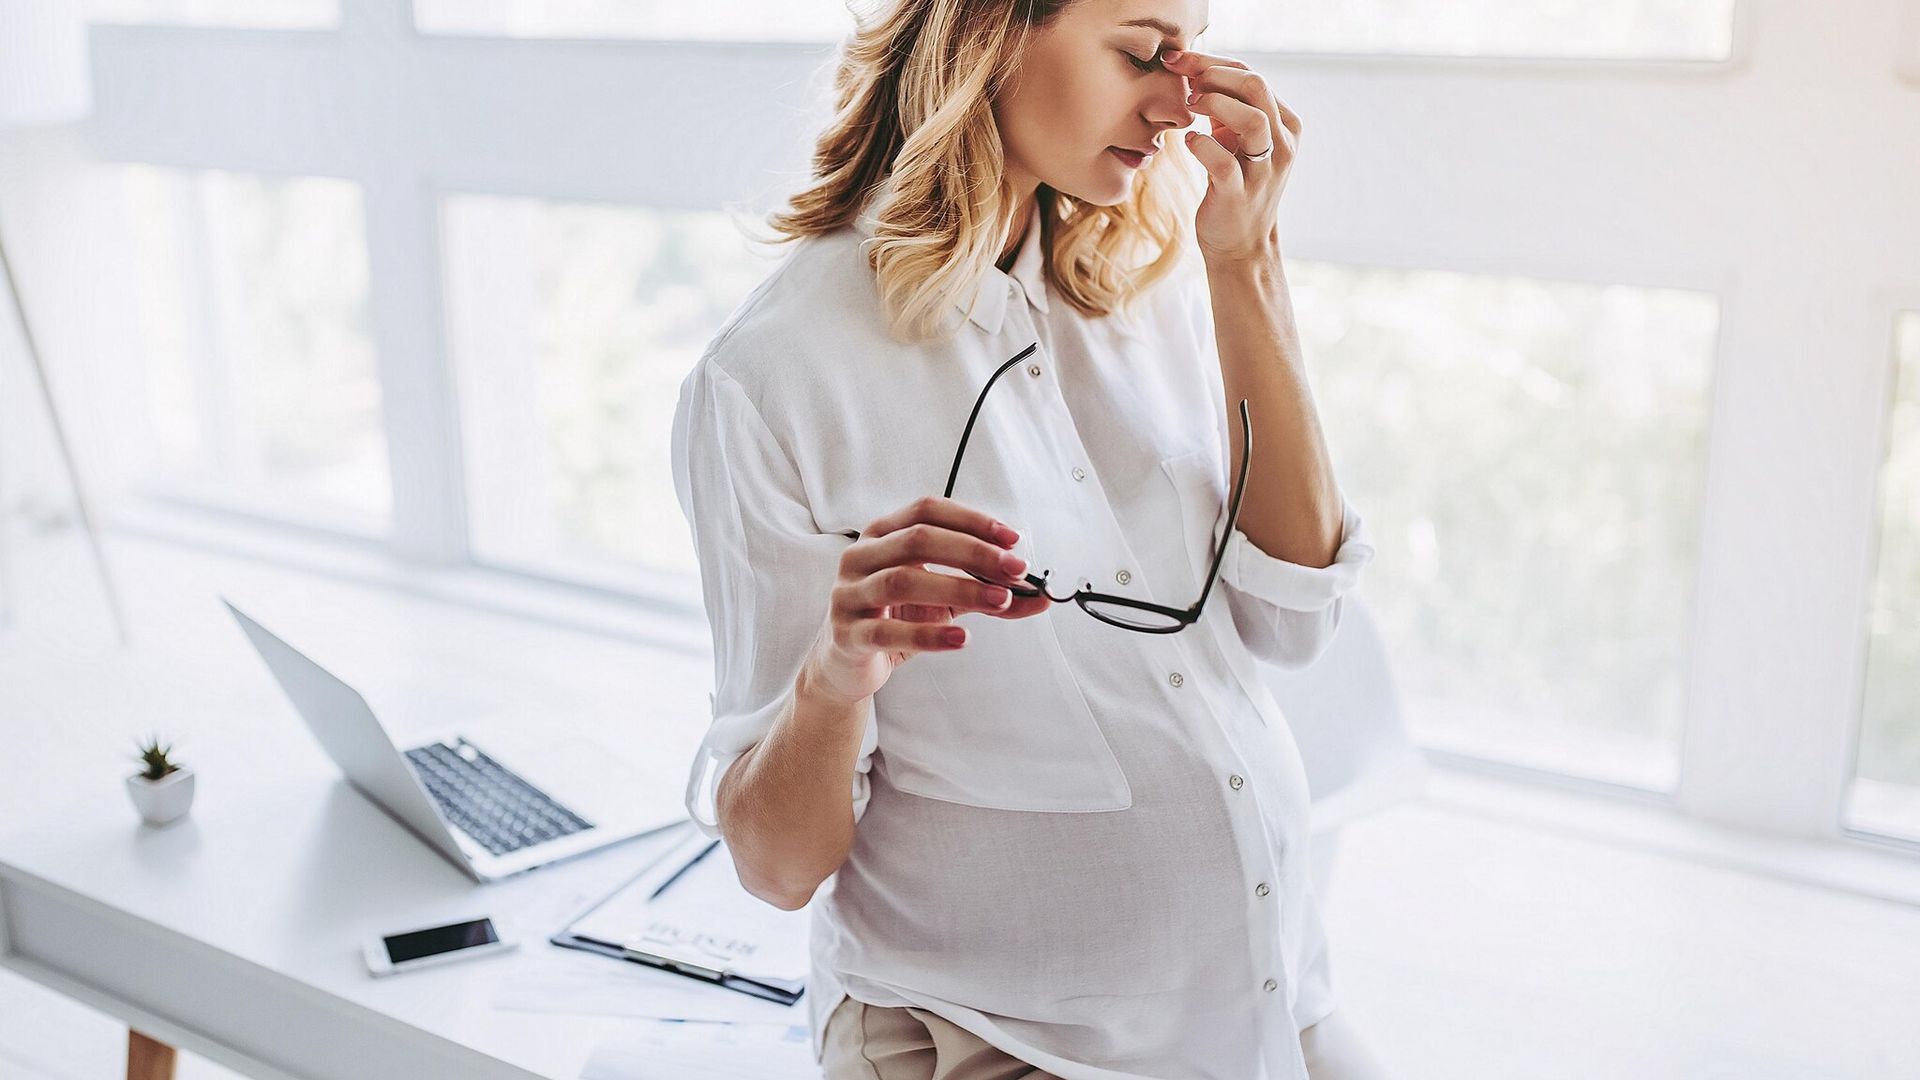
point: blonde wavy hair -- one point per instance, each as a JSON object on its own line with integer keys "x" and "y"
{"x": 913, "y": 126}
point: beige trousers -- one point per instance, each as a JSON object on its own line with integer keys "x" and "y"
{"x": 873, "y": 1042}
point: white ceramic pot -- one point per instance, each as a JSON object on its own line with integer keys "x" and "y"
{"x": 164, "y": 800}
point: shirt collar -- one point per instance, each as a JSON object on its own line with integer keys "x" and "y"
{"x": 989, "y": 300}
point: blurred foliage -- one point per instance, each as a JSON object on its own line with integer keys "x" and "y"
{"x": 1529, "y": 455}
{"x": 260, "y": 362}
{"x": 1890, "y": 715}
{"x": 618, "y": 303}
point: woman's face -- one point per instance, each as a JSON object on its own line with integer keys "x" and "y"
{"x": 1090, "y": 85}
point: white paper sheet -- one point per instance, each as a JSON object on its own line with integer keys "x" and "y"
{"x": 664, "y": 1050}
{"x": 706, "y": 913}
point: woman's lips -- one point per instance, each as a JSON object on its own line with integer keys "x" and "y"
{"x": 1133, "y": 158}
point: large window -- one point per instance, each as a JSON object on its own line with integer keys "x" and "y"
{"x": 1529, "y": 455}
{"x": 1886, "y": 790}
{"x": 1523, "y": 287}
{"x": 571, "y": 327}
{"x": 261, "y": 381}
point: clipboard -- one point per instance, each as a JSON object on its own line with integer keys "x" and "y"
{"x": 665, "y": 944}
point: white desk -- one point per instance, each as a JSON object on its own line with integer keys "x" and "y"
{"x": 235, "y": 935}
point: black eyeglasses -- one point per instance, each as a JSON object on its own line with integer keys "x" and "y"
{"x": 1126, "y": 612}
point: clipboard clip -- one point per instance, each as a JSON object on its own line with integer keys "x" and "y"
{"x": 663, "y": 954}
{"x": 667, "y": 955}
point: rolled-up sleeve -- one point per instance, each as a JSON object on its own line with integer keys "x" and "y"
{"x": 1287, "y": 612}
{"x": 766, "y": 575}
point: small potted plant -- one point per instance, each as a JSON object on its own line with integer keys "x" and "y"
{"x": 164, "y": 789}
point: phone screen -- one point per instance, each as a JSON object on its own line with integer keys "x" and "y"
{"x": 436, "y": 940}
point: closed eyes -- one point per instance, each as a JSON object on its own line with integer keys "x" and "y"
{"x": 1149, "y": 64}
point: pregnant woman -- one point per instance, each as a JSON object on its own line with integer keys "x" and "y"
{"x": 1002, "y": 483}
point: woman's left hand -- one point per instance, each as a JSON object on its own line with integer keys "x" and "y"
{"x": 1237, "y": 220}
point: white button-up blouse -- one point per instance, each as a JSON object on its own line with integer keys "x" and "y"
{"x": 1084, "y": 844}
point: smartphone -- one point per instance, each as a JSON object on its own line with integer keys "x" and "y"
{"x": 426, "y": 946}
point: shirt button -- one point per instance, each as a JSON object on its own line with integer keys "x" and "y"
{"x": 1123, "y": 577}
{"x": 1175, "y": 678}
{"x": 1033, "y": 370}
{"x": 1261, "y": 889}
{"x": 1234, "y": 781}
{"x": 1079, "y": 473}
{"x": 1271, "y": 986}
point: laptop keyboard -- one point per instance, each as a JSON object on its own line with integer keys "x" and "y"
{"x": 490, "y": 803}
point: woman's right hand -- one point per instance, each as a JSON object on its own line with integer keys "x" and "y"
{"x": 887, "y": 607}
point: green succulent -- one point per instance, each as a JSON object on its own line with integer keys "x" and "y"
{"x": 154, "y": 757}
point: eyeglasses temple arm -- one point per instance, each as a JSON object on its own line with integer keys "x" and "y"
{"x": 1233, "y": 510}
{"x": 960, "y": 451}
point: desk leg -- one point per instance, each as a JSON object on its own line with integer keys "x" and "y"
{"x": 148, "y": 1059}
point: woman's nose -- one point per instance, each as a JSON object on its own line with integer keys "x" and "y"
{"x": 1169, "y": 105}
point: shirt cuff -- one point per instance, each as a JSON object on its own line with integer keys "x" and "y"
{"x": 729, "y": 738}
{"x": 1294, "y": 586}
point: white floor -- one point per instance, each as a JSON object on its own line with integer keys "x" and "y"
{"x": 1469, "y": 942}
{"x": 1485, "y": 948}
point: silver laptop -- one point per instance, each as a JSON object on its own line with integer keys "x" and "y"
{"x": 504, "y": 804}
